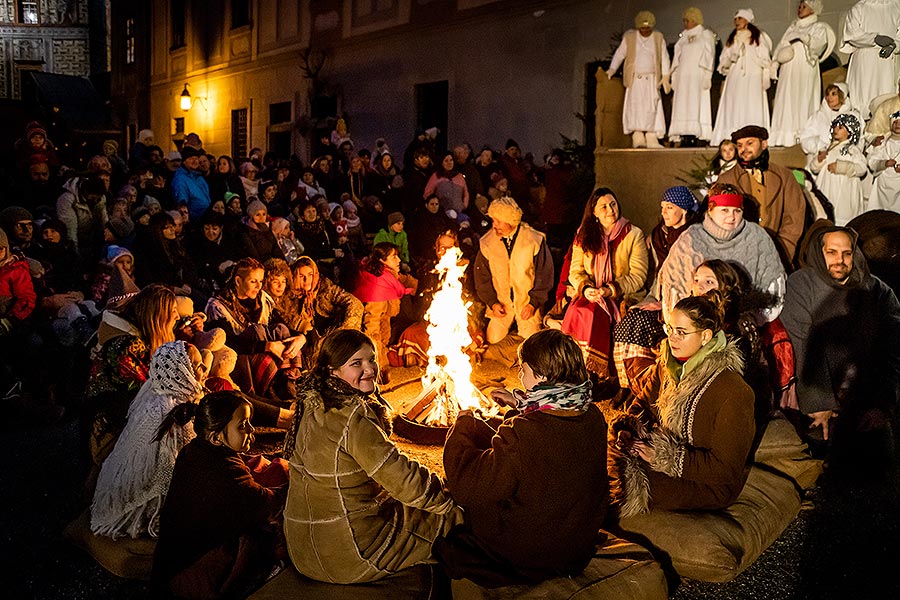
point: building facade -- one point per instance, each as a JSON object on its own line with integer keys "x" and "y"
{"x": 275, "y": 73}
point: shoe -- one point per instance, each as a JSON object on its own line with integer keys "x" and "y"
{"x": 652, "y": 141}
{"x": 638, "y": 140}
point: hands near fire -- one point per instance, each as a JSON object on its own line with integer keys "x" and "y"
{"x": 499, "y": 309}
{"x": 527, "y": 312}
{"x": 503, "y": 398}
{"x": 592, "y": 294}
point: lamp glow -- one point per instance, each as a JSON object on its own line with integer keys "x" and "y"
{"x": 186, "y": 99}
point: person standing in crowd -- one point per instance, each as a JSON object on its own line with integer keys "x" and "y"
{"x": 643, "y": 51}
{"x": 844, "y": 324}
{"x": 693, "y": 62}
{"x": 513, "y": 272}
{"x": 840, "y": 167}
{"x": 872, "y": 39}
{"x": 609, "y": 266}
{"x": 747, "y": 67}
{"x": 778, "y": 198}
{"x": 514, "y": 168}
{"x": 358, "y": 509}
{"x": 884, "y": 161}
{"x": 188, "y": 185}
{"x": 805, "y": 44}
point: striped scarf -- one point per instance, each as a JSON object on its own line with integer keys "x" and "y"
{"x": 565, "y": 396}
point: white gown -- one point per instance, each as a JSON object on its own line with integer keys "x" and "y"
{"x": 868, "y": 75}
{"x": 747, "y": 70}
{"x": 886, "y": 191}
{"x": 643, "y": 110}
{"x": 843, "y": 187}
{"x": 692, "y": 69}
{"x": 798, "y": 91}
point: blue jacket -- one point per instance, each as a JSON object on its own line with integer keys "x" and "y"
{"x": 190, "y": 188}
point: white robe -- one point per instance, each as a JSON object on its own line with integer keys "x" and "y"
{"x": 747, "y": 73}
{"x": 886, "y": 191}
{"x": 869, "y": 75}
{"x": 799, "y": 85}
{"x": 692, "y": 69}
{"x": 844, "y": 186}
{"x": 816, "y": 134}
{"x": 643, "y": 110}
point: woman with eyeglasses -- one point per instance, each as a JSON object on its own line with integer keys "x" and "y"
{"x": 689, "y": 450}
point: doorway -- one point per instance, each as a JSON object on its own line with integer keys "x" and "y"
{"x": 432, "y": 102}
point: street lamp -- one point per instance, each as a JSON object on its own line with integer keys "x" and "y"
{"x": 186, "y": 99}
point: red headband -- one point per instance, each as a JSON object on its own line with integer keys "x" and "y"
{"x": 733, "y": 200}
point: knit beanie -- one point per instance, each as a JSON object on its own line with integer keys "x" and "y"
{"x": 144, "y": 135}
{"x": 645, "y": 18}
{"x": 254, "y": 207}
{"x": 56, "y": 225}
{"x": 511, "y": 143}
{"x": 745, "y": 13}
{"x": 114, "y": 252}
{"x": 681, "y": 197}
{"x": 505, "y": 210}
{"x": 815, "y": 5}
{"x": 694, "y": 14}
{"x": 395, "y": 217}
{"x": 121, "y": 227}
{"x": 11, "y": 215}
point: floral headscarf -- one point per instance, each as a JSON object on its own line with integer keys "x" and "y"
{"x": 851, "y": 124}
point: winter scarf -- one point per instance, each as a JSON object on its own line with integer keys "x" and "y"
{"x": 564, "y": 396}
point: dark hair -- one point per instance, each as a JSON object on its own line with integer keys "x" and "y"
{"x": 380, "y": 252}
{"x": 706, "y": 311}
{"x": 590, "y": 233}
{"x": 337, "y": 348}
{"x": 840, "y": 92}
{"x": 555, "y": 356}
{"x": 754, "y": 35}
{"x": 211, "y": 416}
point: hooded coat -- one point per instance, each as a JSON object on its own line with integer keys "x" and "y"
{"x": 357, "y": 510}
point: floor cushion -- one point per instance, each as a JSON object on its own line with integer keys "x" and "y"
{"x": 717, "y": 545}
{"x": 125, "y": 557}
{"x": 619, "y": 570}
{"x": 416, "y": 583}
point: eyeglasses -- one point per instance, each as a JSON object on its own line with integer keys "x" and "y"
{"x": 678, "y": 334}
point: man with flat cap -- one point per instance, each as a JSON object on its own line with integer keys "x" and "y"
{"x": 777, "y": 195}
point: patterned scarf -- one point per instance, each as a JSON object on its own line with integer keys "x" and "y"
{"x": 565, "y": 396}
{"x": 171, "y": 373}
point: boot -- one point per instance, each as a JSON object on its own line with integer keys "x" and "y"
{"x": 652, "y": 141}
{"x": 637, "y": 140}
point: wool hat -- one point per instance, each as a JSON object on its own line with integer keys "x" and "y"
{"x": 144, "y": 135}
{"x": 745, "y": 13}
{"x": 192, "y": 140}
{"x": 121, "y": 288}
{"x": 645, "y": 18}
{"x": 114, "y": 252}
{"x": 505, "y": 210}
{"x": 814, "y": 5}
{"x": 35, "y": 130}
{"x": 229, "y": 196}
{"x": 395, "y": 217}
{"x": 151, "y": 201}
{"x": 121, "y": 227}
{"x": 750, "y": 131}
{"x": 190, "y": 152}
{"x": 173, "y": 155}
{"x": 511, "y": 143}
{"x": 681, "y": 197}
{"x": 694, "y": 14}
{"x": 11, "y": 215}
{"x": 254, "y": 207}
{"x": 56, "y": 225}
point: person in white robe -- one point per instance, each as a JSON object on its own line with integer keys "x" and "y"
{"x": 746, "y": 63}
{"x": 692, "y": 69}
{"x": 805, "y": 44}
{"x": 839, "y": 169}
{"x": 872, "y": 39}
{"x": 879, "y": 126}
{"x": 884, "y": 160}
{"x": 646, "y": 68}
{"x": 816, "y": 133}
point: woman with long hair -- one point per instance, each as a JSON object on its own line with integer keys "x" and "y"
{"x": 448, "y": 184}
{"x": 609, "y": 265}
{"x": 161, "y": 257}
{"x": 225, "y": 178}
{"x": 358, "y": 509}
{"x": 746, "y": 63}
{"x": 690, "y": 451}
{"x": 135, "y": 477}
{"x": 218, "y": 528}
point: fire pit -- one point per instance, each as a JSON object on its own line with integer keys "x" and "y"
{"x": 446, "y": 386}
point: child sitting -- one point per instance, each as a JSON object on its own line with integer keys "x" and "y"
{"x": 535, "y": 490}
{"x": 395, "y": 235}
{"x": 840, "y": 167}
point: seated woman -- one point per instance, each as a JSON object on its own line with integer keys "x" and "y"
{"x": 532, "y": 512}
{"x": 218, "y": 528}
{"x": 257, "y": 240}
{"x": 358, "y": 510}
{"x": 691, "y": 450}
{"x": 609, "y": 265}
{"x": 135, "y": 477}
{"x": 247, "y": 315}
{"x": 160, "y": 257}
{"x": 380, "y": 288}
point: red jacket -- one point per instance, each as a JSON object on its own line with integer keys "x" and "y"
{"x": 15, "y": 283}
{"x": 385, "y": 287}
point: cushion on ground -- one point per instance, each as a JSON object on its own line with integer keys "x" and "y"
{"x": 619, "y": 570}
{"x": 415, "y": 583}
{"x": 124, "y": 557}
{"x": 717, "y": 545}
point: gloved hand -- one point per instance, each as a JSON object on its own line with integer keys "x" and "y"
{"x": 884, "y": 40}
{"x": 887, "y": 51}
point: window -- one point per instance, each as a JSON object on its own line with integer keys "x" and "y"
{"x": 240, "y": 13}
{"x": 239, "y": 133}
{"x": 177, "y": 21}
{"x": 28, "y": 12}
{"x": 279, "y": 112}
{"x": 178, "y": 126}
{"x": 129, "y": 41}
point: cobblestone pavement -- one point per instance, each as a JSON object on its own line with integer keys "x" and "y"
{"x": 843, "y": 545}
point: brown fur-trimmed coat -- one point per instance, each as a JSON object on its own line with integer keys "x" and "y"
{"x": 702, "y": 438}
